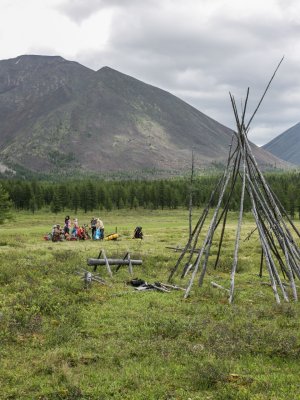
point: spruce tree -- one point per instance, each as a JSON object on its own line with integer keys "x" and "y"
{"x": 5, "y": 205}
{"x": 55, "y": 205}
{"x": 75, "y": 199}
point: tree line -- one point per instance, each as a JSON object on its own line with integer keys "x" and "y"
{"x": 93, "y": 194}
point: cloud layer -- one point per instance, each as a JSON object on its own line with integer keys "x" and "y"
{"x": 198, "y": 50}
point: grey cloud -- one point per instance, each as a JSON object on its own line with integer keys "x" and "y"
{"x": 201, "y": 62}
{"x": 79, "y": 10}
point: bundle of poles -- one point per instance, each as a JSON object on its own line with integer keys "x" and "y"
{"x": 275, "y": 228}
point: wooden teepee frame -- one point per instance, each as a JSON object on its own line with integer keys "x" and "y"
{"x": 274, "y": 226}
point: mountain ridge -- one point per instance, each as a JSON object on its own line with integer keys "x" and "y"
{"x": 286, "y": 145}
{"x": 57, "y": 114}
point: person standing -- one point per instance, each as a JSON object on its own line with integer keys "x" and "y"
{"x": 93, "y": 226}
{"x": 67, "y": 225}
{"x": 99, "y": 233}
{"x": 75, "y": 228}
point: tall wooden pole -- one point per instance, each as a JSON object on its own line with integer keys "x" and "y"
{"x": 191, "y": 196}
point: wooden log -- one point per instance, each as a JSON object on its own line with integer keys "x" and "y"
{"x": 197, "y": 229}
{"x": 120, "y": 265}
{"x": 152, "y": 286}
{"x": 107, "y": 264}
{"x": 200, "y": 223}
{"x": 216, "y": 285}
{"x": 238, "y": 232}
{"x": 160, "y": 288}
{"x": 265, "y": 250}
{"x": 113, "y": 261}
{"x": 221, "y": 238}
{"x": 186, "y": 270}
{"x": 233, "y": 182}
{"x": 130, "y": 264}
{"x": 182, "y": 249}
{"x": 191, "y": 197}
{"x": 175, "y": 287}
{"x": 207, "y": 238}
{"x": 267, "y": 88}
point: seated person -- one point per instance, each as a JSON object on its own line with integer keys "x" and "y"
{"x": 56, "y": 233}
{"x": 138, "y": 234}
{"x": 86, "y": 231}
{"x": 67, "y": 236}
{"x": 82, "y": 233}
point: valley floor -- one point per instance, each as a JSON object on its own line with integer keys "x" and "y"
{"x": 59, "y": 340}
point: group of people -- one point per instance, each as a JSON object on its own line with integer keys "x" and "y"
{"x": 73, "y": 231}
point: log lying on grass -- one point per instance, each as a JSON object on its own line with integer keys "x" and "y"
{"x": 113, "y": 261}
{"x": 216, "y": 285}
{"x": 181, "y": 249}
{"x": 161, "y": 287}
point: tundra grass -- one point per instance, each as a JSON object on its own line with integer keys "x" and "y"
{"x": 60, "y": 340}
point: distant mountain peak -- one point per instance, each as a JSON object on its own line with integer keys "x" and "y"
{"x": 107, "y": 68}
{"x": 286, "y": 145}
{"x": 34, "y": 58}
{"x": 57, "y": 114}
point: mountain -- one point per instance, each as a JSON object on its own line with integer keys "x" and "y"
{"x": 287, "y": 145}
{"x": 56, "y": 114}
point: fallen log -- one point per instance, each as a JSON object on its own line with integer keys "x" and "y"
{"x": 182, "y": 249}
{"x": 152, "y": 286}
{"x": 216, "y": 285}
{"x": 175, "y": 287}
{"x": 113, "y": 261}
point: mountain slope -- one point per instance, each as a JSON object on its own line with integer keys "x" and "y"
{"x": 287, "y": 145}
{"x": 56, "y": 113}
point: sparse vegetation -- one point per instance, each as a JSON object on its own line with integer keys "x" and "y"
{"x": 61, "y": 341}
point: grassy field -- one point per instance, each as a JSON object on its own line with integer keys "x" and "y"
{"x": 59, "y": 340}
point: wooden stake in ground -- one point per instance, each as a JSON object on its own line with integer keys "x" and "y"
{"x": 191, "y": 196}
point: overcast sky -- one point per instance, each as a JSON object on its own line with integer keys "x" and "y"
{"x": 198, "y": 50}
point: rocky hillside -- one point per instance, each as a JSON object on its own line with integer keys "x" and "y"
{"x": 58, "y": 114}
{"x": 287, "y": 145}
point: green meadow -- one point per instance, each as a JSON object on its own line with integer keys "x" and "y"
{"x": 61, "y": 340}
